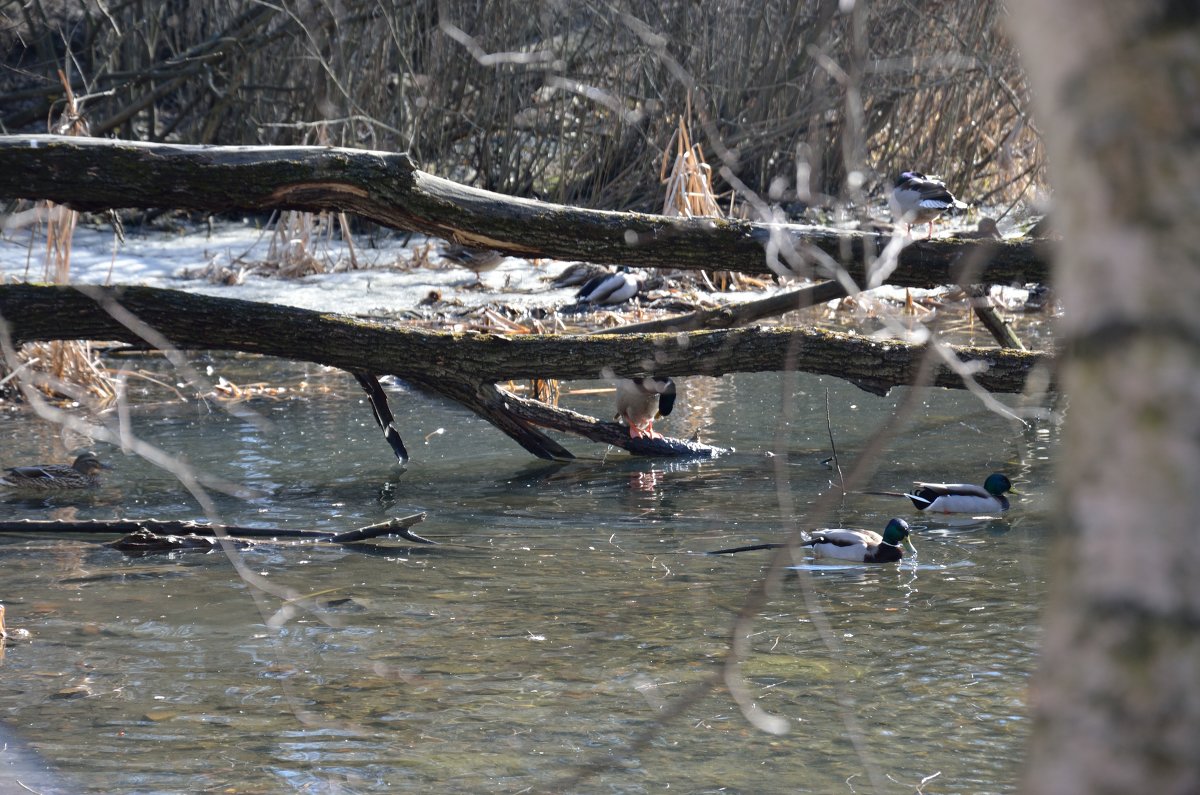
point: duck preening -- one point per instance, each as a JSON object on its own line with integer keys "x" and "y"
{"x": 81, "y": 474}
{"x": 578, "y": 273}
{"x": 640, "y": 401}
{"x": 610, "y": 288}
{"x": 918, "y": 199}
{"x": 862, "y": 546}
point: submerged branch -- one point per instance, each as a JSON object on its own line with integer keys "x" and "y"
{"x": 165, "y": 528}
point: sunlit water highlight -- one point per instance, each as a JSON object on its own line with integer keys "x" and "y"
{"x": 565, "y": 606}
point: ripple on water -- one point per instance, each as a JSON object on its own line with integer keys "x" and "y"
{"x": 566, "y": 607}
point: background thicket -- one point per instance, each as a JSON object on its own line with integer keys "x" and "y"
{"x": 568, "y": 100}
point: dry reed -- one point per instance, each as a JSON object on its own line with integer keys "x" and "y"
{"x": 570, "y": 102}
{"x": 63, "y": 369}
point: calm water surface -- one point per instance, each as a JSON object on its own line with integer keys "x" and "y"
{"x": 566, "y": 605}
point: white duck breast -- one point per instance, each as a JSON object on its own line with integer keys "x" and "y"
{"x": 614, "y": 288}
{"x": 843, "y": 544}
{"x": 956, "y": 498}
{"x": 864, "y": 546}
{"x": 640, "y": 401}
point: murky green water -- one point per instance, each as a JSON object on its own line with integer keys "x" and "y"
{"x": 565, "y": 607}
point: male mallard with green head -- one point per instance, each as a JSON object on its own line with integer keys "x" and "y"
{"x": 82, "y": 474}
{"x": 963, "y": 497}
{"x": 864, "y": 546}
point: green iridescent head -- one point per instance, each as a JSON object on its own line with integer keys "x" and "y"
{"x": 997, "y": 484}
{"x": 897, "y": 533}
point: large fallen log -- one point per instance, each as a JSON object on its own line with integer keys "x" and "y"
{"x": 190, "y": 321}
{"x": 385, "y": 187}
{"x": 464, "y": 367}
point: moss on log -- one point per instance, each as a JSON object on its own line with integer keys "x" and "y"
{"x": 189, "y": 321}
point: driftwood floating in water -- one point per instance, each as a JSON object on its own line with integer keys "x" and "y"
{"x": 388, "y": 188}
{"x": 144, "y": 536}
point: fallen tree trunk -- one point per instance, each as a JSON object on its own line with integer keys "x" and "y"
{"x": 464, "y": 367}
{"x": 189, "y": 321}
{"x": 96, "y": 174}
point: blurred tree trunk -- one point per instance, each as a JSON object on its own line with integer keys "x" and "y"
{"x": 1117, "y": 701}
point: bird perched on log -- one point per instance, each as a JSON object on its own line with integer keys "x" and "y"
{"x": 918, "y": 199}
{"x": 82, "y": 474}
{"x": 477, "y": 260}
{"x": 959, "y": 497}
{"x": 640, "y": 401}
{"x": 610, "y": 289}
{"x": 862, "y": 546}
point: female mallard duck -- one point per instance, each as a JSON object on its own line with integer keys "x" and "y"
{"x": 918, "y": 199}
{"x": 82, "y": 474}
{"x": 864, "y": 546}
{"x": 963, "y": 497}
{"x": 477, "y": 260}
{"x": 640, "y": 401}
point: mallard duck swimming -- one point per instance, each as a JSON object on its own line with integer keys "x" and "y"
{"x": 82, "y": 474}
{"x": 918, "y": 199}
{"x": 864, "y": 546}
{"x": 640, "y": 401}
{"x": 963, "y": 497}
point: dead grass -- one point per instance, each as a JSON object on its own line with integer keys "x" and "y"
{"x": 688, "y": 186}
{"x": 63, "y": 370}
{"x": 571, "y": 103}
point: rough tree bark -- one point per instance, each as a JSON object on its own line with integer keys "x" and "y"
{"x": 465, "y": 367}
{"x": 94, "y": 174}
{"x": 189, "y": 321}
{"x": 1117, "y": 700}
{"x": 91, "y": 173}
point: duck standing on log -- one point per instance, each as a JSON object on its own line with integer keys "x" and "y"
{"x": 918, "y": 199}
{"x": 640, "y": 401}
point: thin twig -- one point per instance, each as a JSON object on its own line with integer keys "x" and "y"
{"x": 833, "y": 446}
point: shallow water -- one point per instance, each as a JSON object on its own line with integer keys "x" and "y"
{"x": 564, "y": 608}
